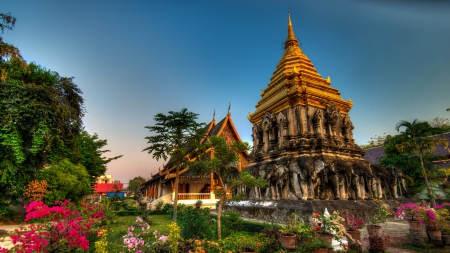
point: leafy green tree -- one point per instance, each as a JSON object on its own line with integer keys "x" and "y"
{"x": 418, "y": 139}
{"x": 135, "y": 183}
{"x": 175, "y": 135}
{"x": 222, "y": 164}
{"x": 89, "y": 153}
{"x": 65, "y": 181}
{"x": 40, "y": 119}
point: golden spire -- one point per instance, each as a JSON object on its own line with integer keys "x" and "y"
{"x": 290, "y": 40}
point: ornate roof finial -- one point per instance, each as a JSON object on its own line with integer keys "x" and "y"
{"x": 214, "y": 117}
{"x": 229, "y": 106}
{"x": 290, "y": 40}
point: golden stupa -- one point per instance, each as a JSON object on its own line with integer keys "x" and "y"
{"x": 296, "y": 82}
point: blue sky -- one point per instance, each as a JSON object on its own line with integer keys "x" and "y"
{"x": 134, "y": 59}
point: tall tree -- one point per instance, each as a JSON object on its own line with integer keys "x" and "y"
{"x": 222, "y": 164}
{"x": 89, "y": 152}
{"x": 134, "y": 184}
{"x": 418, "y": 138}
{"x": 175, "y": 134}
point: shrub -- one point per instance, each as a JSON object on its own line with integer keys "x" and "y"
{"x": 195, "y": 223}
{"x": 36, "y": 190}
{"x": 270, "y": 241}
{"x": 198, "y": 204}
{"x": 231, "y": 222}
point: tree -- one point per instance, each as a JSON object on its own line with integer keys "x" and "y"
{"x": 220, "y": 158}
{"x": 418, "y": 138}
{"x": 89, "y": 153}
{"x": 134, "y": 184}
{"x": 440, "y": 122}
{"x": 175, "y": 135}
{"x": 376, "y": 141}
{"x": 65, "y": 181}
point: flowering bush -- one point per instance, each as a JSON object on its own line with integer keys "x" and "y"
{"x": 61, "y": 229}
{"x": 412, "y": 211}
{"x": 332, "y": 224}
{"x": 443, "y": 217}
{"x": 381, "y": 214}
{"x": 352, "y": 223}
{"x": 134, "y": 240}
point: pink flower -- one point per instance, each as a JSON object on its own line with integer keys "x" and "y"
{"x": 163, "y": 238}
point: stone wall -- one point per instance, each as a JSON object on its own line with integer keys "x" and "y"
{"x": 277, "y": 210}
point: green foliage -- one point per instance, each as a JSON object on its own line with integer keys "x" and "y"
{"x": 270, "y": 240}
{"x": 175, "y": 135}
{"x": 195, "y": 223}
{"x": 319, "y": 243}
{"x": 376, "y": 141}
{"x": 254, "y": 227}
{"x": 7, "y": 21}
{"x": 416, "y": 140}
{"x": 40, "y": 118}
{"x": 134, "y": 184}
{"x": 231, "y": 222}
{"x": 198, "y": 203}
{"x": 65, "y": 181}
{"x": 222, "y": 164}
{"x": 88, "y": 151}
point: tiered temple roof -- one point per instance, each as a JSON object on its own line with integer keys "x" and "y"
{"x": 296, "y": 82}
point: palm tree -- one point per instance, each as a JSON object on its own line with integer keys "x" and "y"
{"x": 419, "y": 139}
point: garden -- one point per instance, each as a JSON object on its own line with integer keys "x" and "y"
{"x": 122, "y": 226}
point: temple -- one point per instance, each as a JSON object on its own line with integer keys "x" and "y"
{"x": 192, "y": 187}
{"x": 302, "y": 137}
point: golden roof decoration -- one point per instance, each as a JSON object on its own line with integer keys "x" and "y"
{"x": 294, "y": 82}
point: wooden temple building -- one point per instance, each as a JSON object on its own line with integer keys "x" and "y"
{"x": 192, "y": 187}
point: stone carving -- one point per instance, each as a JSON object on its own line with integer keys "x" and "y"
{"x": 320, "y": 163}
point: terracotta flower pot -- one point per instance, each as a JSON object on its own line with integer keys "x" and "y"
{"x": 414, "y": 225}
{"x": 321, "y": 250}
{"x": 288, "y": 240}
{"x": 430, "y": 225}
{"x": 435, "y": 235}
{"x": 328, "y": 238}
{"x": 445, "y": 239}
{"x": 374, "y": 230}
{"x": 356, "y": 234}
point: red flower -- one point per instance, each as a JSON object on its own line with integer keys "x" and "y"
{"x": 315, "y": 215}
{"x": 317, "y": 228}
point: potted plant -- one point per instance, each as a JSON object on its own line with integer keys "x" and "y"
{"x": 288, "y": 237}
{"x": 443, "y": 222}
{"x": 410, "y": 212}
{"x": 331, "y": 227}
{"x": 319, "y": 245}
{"x": 378, "y": 216}
{"x": 352, "y": 226}
{"x": 379, "y": 243}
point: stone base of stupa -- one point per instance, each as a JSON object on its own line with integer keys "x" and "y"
{"x": 277, "y": 210}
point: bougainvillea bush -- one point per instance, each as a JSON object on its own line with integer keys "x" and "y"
{"x": 352, "y": 223}
{"x": 60, "y": 228}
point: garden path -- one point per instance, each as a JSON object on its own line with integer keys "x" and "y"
{"x": 5, "y": 241}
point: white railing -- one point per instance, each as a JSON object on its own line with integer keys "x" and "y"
{"x": 193, "y": 196}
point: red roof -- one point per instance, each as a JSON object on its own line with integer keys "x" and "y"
{"x": 105, "y": 188}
